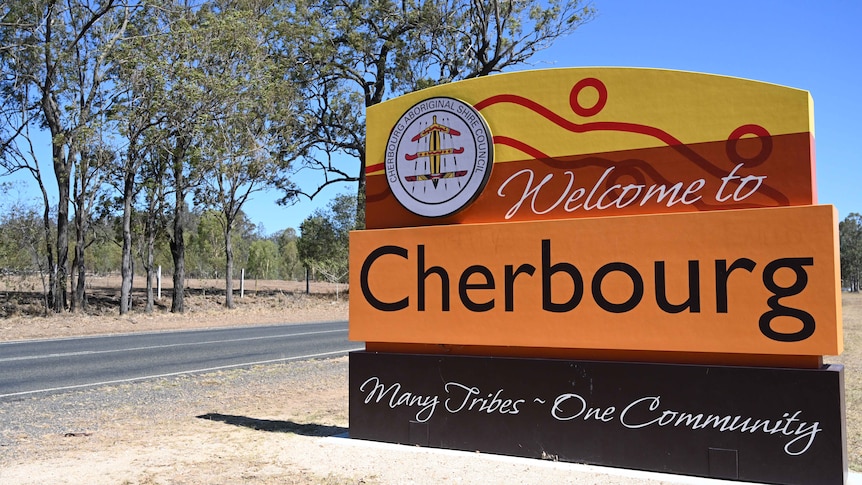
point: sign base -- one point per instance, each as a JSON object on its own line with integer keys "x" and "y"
{"x": 766, "y": 425}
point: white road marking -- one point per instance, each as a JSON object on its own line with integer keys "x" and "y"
{"x": 172, "y": 374}
{"x": 165, "y": 346}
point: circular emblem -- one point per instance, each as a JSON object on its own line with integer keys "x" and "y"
{"x": 438, "y": 157}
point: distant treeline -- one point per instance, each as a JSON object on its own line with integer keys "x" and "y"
{"x": 285, "y": 255}
{"x": 850, "y": 237}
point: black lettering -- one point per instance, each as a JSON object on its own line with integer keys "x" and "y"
{"x": 548, "y": 271}
{"x": 693, "y": 301}
{"x": 464, "y": 285}
{"x": 423, "y": 275}
{"x": 779, "y": 292}
{"x": 637, "y": 291}
{"x": 363, "y": 279}
{"x": 510, "y": 282}
{"x": 722, "y": 273}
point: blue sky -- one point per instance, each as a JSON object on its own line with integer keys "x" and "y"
{"x": 815, "y": 46}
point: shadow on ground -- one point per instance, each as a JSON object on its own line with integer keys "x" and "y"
{"x": 275, "y": 426}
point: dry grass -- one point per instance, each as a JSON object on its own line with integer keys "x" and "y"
{"x": 22, "y": 312}
{"x": 852, "y": 361}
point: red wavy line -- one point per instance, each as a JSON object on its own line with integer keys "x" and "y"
{"x": 519, "y": 145}
{"x": 662, "y": 135}
{"x": 657, "y": 133}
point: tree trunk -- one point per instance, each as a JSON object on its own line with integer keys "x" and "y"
{"x": 126, "y": 260}
{"x": 61, "y": 173}
{"x": 73, "y": 305}
{"x": 178, "y": 242}
{"x": 148, "y": 307}
{"x": 49, "y": 249}
{"x": 178, "y": 246}
{"x": 131, "y": 283}
{"x": 228, "y": 251}
{"x": 150, "y": 256}
{"x": 360, "y": 193}
{"x": 155, "y": 203}
{"x": 178, "y": 254}
{"x": 78, "y": 296}
{"x": 62, "y": 169}
{"x": 78, "y": 269}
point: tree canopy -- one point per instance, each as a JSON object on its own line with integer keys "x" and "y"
{"x": 325, "y": 237}
{"x": 359, "y": 53}
{"x": 160, "y": 114}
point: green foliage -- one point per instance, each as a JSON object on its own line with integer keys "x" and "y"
{"x": 850, "y": 236}
{"x": 290, "y": 267}
{"x": 250, "y": 108}
{"x": 318, "y": 241}
{"x": 325, "y": 238}
{"x": 357, "y": 54}
{"x": 187, "y": 110}
{"x": 263, "y": 259}
{"x": 22, "y": 241}
{"x": 103, "y": 252}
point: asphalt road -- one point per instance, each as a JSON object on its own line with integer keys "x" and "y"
{"x": 47, "y": 366}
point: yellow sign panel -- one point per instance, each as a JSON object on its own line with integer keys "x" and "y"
{"x": 759, "y": 281}
{"x": 586, "y": 142}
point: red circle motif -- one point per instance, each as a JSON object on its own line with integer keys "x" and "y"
{"x": 765, "y": 145}
{"x": 589, "y": 82}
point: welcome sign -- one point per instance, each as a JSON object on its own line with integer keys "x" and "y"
{"x": 588, "y": 143}
{"x": 613, "y": 214}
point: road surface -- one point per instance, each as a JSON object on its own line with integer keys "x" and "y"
{"x": 55, "y": 365}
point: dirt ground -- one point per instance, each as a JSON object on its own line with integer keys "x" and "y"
{"x": 265, "y": 301}
{"x": 268, "y": 424}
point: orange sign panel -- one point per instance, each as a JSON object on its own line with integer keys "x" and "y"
{"x": 760, "y": 281}
{"x": 586, "y": 142}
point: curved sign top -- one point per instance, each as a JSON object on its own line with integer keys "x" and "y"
{"x": 587, "y": 142}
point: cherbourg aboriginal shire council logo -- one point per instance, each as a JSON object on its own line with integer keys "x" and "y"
{"x": 438, "y": 157}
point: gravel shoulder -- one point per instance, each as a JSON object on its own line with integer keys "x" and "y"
{"x": 273, "y": 424}
{"x": 279, "y": 424}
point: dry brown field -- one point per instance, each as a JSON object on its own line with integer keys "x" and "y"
{"x": 265, "y": 301}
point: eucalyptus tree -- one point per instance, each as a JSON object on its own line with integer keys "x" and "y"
{"x": 167, "y": 104}
{"x": 22, "y": 242}
{"x": 18, "y": 153}
{"x": 850, "y": 235}
{"x": 138, "y": 113}
{"x": 252, "y": 110}
{"x": 54, "y": 57}
{"x": 186, "y": 105}
{"x": 290, "y": 267}
{"x": 263, "y": 259}
{"x": 87, "y": 192}
{"x": 154, "y": 217}
{"x": 360, "y": 52}
{"x": 325, "y": 237}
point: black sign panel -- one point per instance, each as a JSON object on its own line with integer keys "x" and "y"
{"x": 754, "y": 424}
